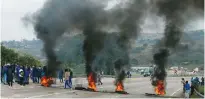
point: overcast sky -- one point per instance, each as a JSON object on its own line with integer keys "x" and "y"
{"x": 12, "y": 27}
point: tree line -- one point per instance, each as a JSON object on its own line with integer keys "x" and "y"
{"x": 10, "y": 56}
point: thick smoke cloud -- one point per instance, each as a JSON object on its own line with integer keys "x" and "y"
{"x": 58, "y": 17}
{"x": 173, "y": 11}
{"x": 126, "y": 20}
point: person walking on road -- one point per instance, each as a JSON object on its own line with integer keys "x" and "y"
{"x": 67, "y": 74}
{"x": 187, "y": 89}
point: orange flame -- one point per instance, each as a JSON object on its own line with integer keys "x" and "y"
{"x": 46, "y": 81}
{"x": 160, "y": 88}
{"x": 119, "y": 86}
{"x": 91, "y": 82}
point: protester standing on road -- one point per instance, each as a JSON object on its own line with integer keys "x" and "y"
{"x": 27, "y": 72}
{"x": 34, "y": 74}
{"x": 44, "y": 71}
{"x": 202, "y": 81}
{"x": 21, "y": 76}
{"x": 39, "y": 74}
{"x": 67, "y": 74}
{"x": 13, "y": 66}
{"x": 2, "y": 74}
{"x": 128, "y": 74}
{"x": 70, "y": 78}
{"x": 183, "y": 83}
{"x": 10, "y": 76}
{"x": 5, "y": 75}
{"x": 197, "y": 80}
{"x": 175, "y": 72}
{"x": 17, "y": 74}
{"x": 24, "y": 70}
{"x": 60, "y": 75}
{"x": 99, "y": 78}
{"x": 187, "y": 89}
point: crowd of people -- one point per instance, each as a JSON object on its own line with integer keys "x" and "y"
{"x": 188, "y": 89}
{"x": 11, "y": 73}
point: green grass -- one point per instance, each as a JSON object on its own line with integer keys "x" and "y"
{"x": 201, "y": 90}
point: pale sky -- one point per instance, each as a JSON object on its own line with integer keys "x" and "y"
{"x": 12, "y": 27}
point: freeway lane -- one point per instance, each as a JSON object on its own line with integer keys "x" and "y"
{"x": 137, "y": 87}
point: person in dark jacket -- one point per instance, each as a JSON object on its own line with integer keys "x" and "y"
{"x": 2, "y": 74}
{"x": 10, "y": 76}
{"x": 70, "y": 77}
{"x": 13, "y": 70}
{"x": 38, "y": 74}
{"x": 17, "y": 74}
{"x": 26, "y": 79}
{"x": 44, "y": 70}
{"x": 202, "y": 81}
{"x": 60, "y": 75}
{"x": 34, "y": 74}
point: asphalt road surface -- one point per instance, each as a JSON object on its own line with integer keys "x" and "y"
{"x": 136, "y": 87}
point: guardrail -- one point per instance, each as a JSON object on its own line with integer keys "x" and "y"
{"x": 199, "y": 94}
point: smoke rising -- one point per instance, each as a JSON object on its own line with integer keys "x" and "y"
{"x": 173, "y": 11}
{"x": 126, "y": 20}
{"x": 59, "y": 17}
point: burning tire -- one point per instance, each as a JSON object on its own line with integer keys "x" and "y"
{"x": 46, "y": 81}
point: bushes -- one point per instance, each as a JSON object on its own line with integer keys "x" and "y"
{"x": 10, "y": 56}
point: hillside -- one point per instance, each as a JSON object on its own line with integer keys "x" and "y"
{"x": 69, "y": 49}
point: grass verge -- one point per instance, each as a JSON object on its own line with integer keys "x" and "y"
{"x": 201, "y": 90}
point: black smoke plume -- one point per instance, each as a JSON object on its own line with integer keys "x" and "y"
{"x": 59, "y": 17}
{"x": 173, "y": 11}
{"x": 126, "y": 18}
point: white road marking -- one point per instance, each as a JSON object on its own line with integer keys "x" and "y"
{"x": 176, "y": 91}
